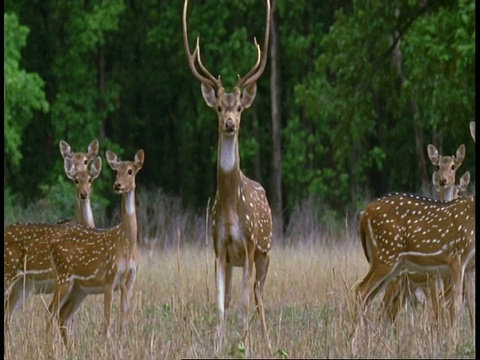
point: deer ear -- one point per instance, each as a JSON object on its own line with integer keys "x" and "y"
{"x": 92, "y": 149}
{"x": 69, "y": 168}
{"x": 65, "y": 149}
{"x": 433, "y": 154}
{"x": 464, "y": 181}
{"x": 139, "y": 159}
{"x": 208, "y": 93}
{"x": 248, "y": 95}
{"x": 96, "y": 167}
{"x": 460, "y": 154}
{"x": 112, "y": 159}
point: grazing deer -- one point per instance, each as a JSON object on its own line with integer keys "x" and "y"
{"x": 419, "y": 235}
{"x": 26, "y": 256}
{"x": 241, "y": 215}
{"x": 93, "y": 261}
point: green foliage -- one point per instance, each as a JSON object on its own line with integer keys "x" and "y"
{"x": 439, "y": 64}
{"x": 23, "y": 91}
{"x": 466, "y": 348}
{"x": 239, "y": 351}
{"x": 282, "y": 354}
{"x": 353, "y": 107}
{"x": 352, "y": 118}
{"x": 82, "y": 102}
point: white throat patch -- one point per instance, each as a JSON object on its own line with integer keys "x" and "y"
{"x": 87, "y": 212}
{"x": 227, "y": 152}
{"x": 130, "y": 203}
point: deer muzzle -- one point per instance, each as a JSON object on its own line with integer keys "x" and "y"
{"x": 229, "y": 126}
{"x": 117, "y": 187}
{"x": 442, "y": 181}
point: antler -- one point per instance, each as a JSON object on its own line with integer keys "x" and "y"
{"x": 210, "y": 79}
{"x": 249, "y": 78}
{"x": 259, "y": 66}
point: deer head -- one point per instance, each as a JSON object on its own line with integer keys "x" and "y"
{"x": 80, "y": 159}
{"x": 228, "y": 106}
{"x": 82, "y": 179}
{"x": 447, "y": 165}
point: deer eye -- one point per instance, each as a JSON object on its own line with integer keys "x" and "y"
{"x": 130, "y": 171}
{"x": 239, "y": 108}
{"x": 76, "y": 181}
{"x": 90, "y": 180}
{"x": 219, "y": 108}
{"x": 453, "y": 167}
{"x": 85, "y": 162}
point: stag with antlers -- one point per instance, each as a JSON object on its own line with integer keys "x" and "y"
{"x": 241, "y": 215}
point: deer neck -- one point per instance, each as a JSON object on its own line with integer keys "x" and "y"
{"x": 83, "y": 213}
{"x": 447, "y": 193}
{"x": 228, "y": 168}
{"x": 129, "y": 219}
{"x": 228, "y": 156}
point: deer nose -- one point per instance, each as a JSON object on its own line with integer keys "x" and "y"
{"x": 442, "y": 181}
{"x": 229, "y": 125}
{"x": 117, "y": 186}
{"x": 83, "y": 195}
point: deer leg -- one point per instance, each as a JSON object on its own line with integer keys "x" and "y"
{"x": 124, "y": 305}
{"x": 60, "y": 296}
{"x": 220, "y": 267}
{"x": 69, "y": 308}
{"x": 434, "y": 296}
{"x": 446, "y": 300}
{"x": 108, "y": 297}
{"x": 228, "y": 284}
{"x": 125, "y": 296}
{"x": 392, "y": 298}
{"x": 13, "y": 299}
{"x": 246, "y": 292}
{"x": 457, "y": 284}
{"x": 376, "y": 279}
{"x": 262, "y": 262}
{"x": 469, "y": 292}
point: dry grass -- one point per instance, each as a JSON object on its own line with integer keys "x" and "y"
{"x": 309, "y": 310}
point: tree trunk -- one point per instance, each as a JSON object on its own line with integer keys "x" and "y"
{"x": 276, "y": 177}
{"x": 101, "y": 87}
{"x": 419, "y": 143}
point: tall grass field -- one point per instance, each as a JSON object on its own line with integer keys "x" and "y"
{"x": 309, "y": 302}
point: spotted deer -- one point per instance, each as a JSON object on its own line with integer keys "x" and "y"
{"x": 405, "y": 286}
{"x": 91, "y": 261}
{"x": 420, "y": 235}
{"x": 80, "y": 159}
{"x": 76, "y": 169}
{"x": 27, "y": 265}
{"x": 241, "y": 215}
{"x": 444, "y": 178}
{"x": 455, "y": 190}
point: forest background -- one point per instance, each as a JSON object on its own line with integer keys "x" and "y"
{"x": 352, "y": 94}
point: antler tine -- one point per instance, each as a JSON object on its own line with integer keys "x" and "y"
{"x": 259, "y": 67}
{"x": 254, "y": 68}
{"x": 215, "y": 80}
{"x": 210, "y": 79}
